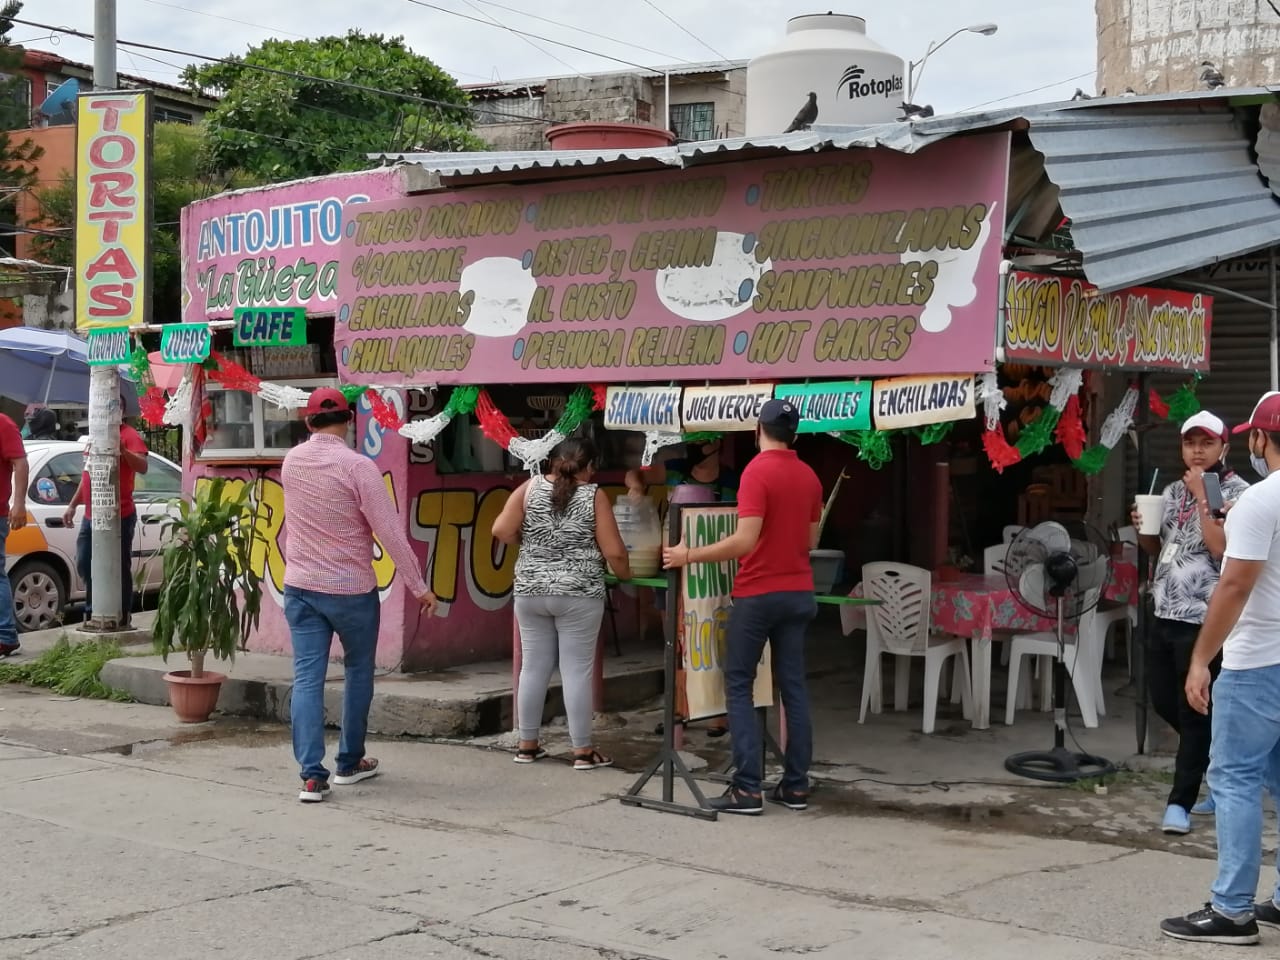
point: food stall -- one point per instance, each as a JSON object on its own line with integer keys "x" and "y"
{"x": 646, "y": 307}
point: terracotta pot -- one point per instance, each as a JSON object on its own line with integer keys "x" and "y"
{"x": 193, "y": 698}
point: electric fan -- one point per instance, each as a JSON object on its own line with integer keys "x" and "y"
{"x": 1058, "y": 571}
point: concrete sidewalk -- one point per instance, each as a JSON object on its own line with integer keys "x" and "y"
{"x": 131, "y": 836}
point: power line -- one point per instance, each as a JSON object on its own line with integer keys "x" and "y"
{"x": 347, "y": 84}
{"x": 1023, "y": 93}
{"x": 531, "y": 43}
{"x": 216, "y": 16}
{"x": 681, "y": 26}
{"x": 249, "y": 23}
{"x": 526, "y": 33}
{"x": 559, "y": 43}
{"x": 583, "y": 30}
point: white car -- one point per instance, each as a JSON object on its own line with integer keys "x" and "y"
{"x": 41, "y": 558}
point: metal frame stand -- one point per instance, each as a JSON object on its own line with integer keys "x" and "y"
{"x": 668, "y": 759}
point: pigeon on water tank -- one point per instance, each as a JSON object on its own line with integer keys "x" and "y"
{"x": 1211, "y": 76}
{"x": 1081, "y": 95}
{"x": 913, "y": 111}
{"x": 804, "y": 119}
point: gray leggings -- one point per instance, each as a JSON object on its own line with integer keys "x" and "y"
{"x": 567, "y": 627}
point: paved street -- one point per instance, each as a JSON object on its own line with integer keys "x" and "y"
{"x": 130, "y": 836}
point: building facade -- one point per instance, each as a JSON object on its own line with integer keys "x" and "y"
{"x": 1168, "y": 46}
{"x": 708, "y": 101}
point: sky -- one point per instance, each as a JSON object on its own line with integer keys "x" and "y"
{"x": 1043, "y": 50}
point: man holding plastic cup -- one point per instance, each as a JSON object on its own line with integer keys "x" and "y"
{"x": 1188, "y": 548}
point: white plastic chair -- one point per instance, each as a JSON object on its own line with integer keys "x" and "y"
{"x": 993, "y": 558}
{"x": 899, "y": 625}
{"x": 1011, "y": 531}
{"x": 1082, "y": 660}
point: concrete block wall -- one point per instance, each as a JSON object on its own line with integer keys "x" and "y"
{"x": 1157, "y": 46}
{"x": 623, "y": 98}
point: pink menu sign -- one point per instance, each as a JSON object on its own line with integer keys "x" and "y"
{"x": 838, "y": 264}
{"x": 272, "y": 246}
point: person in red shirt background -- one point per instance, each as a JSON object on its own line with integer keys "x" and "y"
{"x": 779, "y": 506}
{"x": 133, "y": 460}
{"x": 13, "y": 482}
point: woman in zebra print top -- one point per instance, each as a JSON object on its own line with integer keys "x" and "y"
{"x": 565, "y": 530}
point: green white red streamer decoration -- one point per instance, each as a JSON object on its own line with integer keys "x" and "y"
{"x": 1061, "y": 421}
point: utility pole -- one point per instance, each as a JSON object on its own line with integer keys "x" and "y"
{"x": 104, "y": 404}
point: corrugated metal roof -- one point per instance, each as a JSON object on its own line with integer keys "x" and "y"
{"x": 1153, "y": 185}
{"x": 1155, "y": 191}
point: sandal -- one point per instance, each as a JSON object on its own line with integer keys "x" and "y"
{"x": 591, "y": 760}
{"x": 529, "y": 754}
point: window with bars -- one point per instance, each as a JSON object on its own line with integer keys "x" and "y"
{"x": 693, "y": 121}
{"x": 507, "y": 110}
{"x": 165, "y": 115}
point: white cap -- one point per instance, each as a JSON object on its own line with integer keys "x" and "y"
{"x": 1208, "y": 422}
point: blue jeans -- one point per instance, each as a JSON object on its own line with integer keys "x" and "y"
{"x": 8, "y": 622}
{"x": 84, "y": 563}
{"x": 1243, "y": 759}
{"x": 313, "y": 620}
{"x": 781, "y": 619}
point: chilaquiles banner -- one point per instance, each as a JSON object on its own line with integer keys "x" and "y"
{"x": 849, "y": 263}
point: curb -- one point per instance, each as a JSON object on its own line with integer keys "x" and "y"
{"x": 431, "y": 709}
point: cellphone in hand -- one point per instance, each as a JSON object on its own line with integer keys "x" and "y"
{"x": 1213, "y": 494}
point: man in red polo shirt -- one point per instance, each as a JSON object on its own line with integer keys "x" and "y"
{"x": 133, "y": 460}
{"x": 779, "y": 506}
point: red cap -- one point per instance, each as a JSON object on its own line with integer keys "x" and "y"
{"x": 325, "y": 400}
{"x": 1265, "y": 416}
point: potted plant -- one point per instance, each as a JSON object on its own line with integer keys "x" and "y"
{"x": 211, "y": 597}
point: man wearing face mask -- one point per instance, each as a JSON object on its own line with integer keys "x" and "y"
{"x": 1189, "y": 551}
{"x": 1242, "y": 621}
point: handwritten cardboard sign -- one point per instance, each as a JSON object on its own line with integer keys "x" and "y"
{"x": 113, "y": 203}
{"x": 184, "y": 343}
{"x": 1067, "y": 322}
{"x": 918, "y": 401}
{"x": 828, "y": 407}
{"x": 270, "y": 327}
{"x": 108, "y": 346}
{"x": 723, "y": 409}
{"x": 840, "y": 264}
{"x": 642, "y": 408}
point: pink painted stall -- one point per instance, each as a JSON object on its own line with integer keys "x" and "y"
{"x": 490, "y": 319}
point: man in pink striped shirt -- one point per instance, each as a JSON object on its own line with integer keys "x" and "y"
{"x": 335, "y": 503}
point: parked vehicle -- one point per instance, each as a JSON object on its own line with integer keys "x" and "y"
{"x": 41, "y": 558}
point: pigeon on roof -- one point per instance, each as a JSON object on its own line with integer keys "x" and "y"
{"x": 912, "y": 111}
{"x": 804, "y": 119}
{"x": 1211, "y": 76}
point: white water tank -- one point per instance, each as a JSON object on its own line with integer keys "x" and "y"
{"x": 855, "y": 80}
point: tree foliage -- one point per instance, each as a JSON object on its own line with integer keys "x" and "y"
{"x": 282, "y": 126}
{"x": 180, "y": 175}
{"x": 17, "y": 153}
